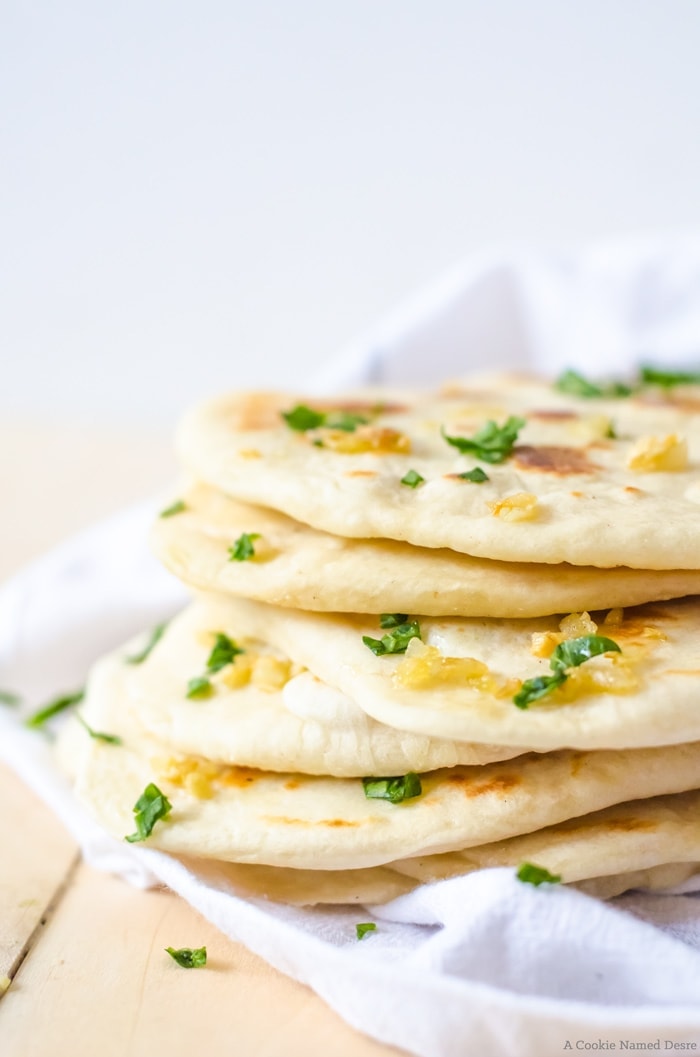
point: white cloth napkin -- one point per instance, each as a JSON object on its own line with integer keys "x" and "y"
{"x": 481, "y": 964}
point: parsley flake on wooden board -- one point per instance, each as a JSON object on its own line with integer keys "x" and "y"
{"x": 188, "y": 957}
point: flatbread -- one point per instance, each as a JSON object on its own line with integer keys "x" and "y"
{"x": 309, "y": 822}
{"x": 656, "y": 674}
{"x": 380, "y": 884}
{"x": 307, "y": 726}
{"x": 590, "y": 498}
{"x": 300, "y": 567}
{"x": 638, "y": 835}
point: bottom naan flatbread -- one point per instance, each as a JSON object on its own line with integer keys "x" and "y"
{"x": 380, "y": 884}
{"x": 311, "y": 822}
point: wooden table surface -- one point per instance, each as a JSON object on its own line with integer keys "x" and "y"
{"x": 84, "y": 951}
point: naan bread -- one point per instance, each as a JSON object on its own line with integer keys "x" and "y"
{"x": 306, "y": 726}
{"x": 656, "y": 676}
{"x": 380, "y": 884}
{"x": 309, "y": 822}
{"x": 300, "y": 567}
{"x": 636, "y": 836}
{"x": 590, "y": 498}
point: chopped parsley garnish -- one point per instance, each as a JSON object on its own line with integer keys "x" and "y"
{"x": 345, "y": 420}
{"x": 540, "y": 686}
{"x": 536, "y": 875}
{"x": 363, "y": 927}
{"x": 243, "y": 548}
{"x": 224, "y": 652}
{"x": 156, "y": 635}
{"x": 199, "y": 687}
{"x": 8, "y": 698}
{"x": 568, "y": 654}
{"x": 412, "y": 479}
{"x": 575, "y": 384}
{"x": 477, "y": 475}
{"x": 395, "y": 641}
{"x": 402, "y": 787}
{"x": 302, "y": 418}
{"x": 187, "y": 957}
{"x": 532, "y": 874}
{"x": 98, "y": 735}
{"x": 392, "y": 620}
{"x": 177, "y": 508}
{"x": 151, "y": 807}
{"x": 667, "y": 379}
{"x": 60, "y": 704}
{"x": 492, "y": 443}
{"x": 573, "y": 652}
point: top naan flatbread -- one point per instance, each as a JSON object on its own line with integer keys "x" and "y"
{"x": 569, "y": 491}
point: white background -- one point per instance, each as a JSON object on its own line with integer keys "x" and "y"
{"x": 199, "y": 195}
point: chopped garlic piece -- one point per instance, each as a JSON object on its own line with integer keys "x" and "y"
{"x": 263, "y": 670}
{"x": 573, "y": 626}
{"x": 198, "y": 785}
{"x": 193, "y": 775}
{"x": 519, "y": 507}
{"x": 659, "y": 454}
{"x": 611, "y": 674}
{"x": 239, "y": 673}
{"x": 576, "y": 625}
{"x": 592, "y": 427}
{"x": 378, "y": 439}
{"x": 543, "y": 643}
{"x": 269, "y": 673}
{"x": 249, "y": 453}
{"x": 424, "y": 667}
{"x": 614, "y": 618}
{"x": 206, "y": 638}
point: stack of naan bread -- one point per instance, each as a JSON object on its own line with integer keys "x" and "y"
{"x": 431, "y": 633}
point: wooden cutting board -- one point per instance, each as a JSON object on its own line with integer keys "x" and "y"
{"x": 85, "y": 951}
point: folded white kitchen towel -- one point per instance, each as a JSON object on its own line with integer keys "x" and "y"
{"x": 481, "y": 964}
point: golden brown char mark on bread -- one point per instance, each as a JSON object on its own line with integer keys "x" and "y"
{"x": 554, "y": 415}
{"x": 503, "y": 783}
{"x": 551, "y": 458}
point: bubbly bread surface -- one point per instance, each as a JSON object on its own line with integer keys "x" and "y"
{"x": 593, "y": 482}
